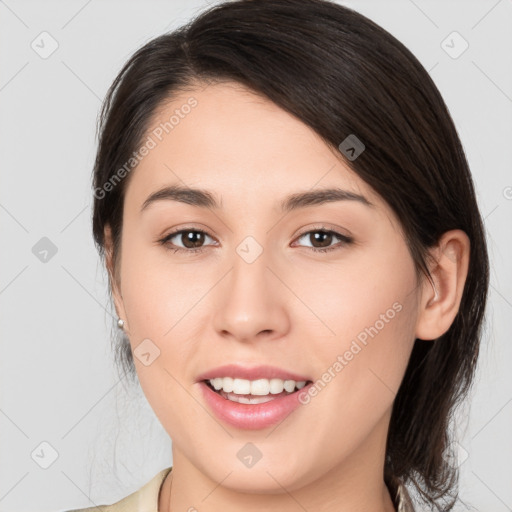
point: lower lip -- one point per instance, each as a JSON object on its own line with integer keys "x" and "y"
{"x": 252, "y": 416}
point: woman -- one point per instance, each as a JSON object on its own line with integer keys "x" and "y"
{"x": 297, "y": 260}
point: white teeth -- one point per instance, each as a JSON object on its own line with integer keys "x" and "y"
{"x": 245, "y": 400}
{"x": 276, "y": 386}
{"x": 259, "y": 387}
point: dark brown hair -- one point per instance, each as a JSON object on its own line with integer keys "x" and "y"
{"x": 339, "y": 73}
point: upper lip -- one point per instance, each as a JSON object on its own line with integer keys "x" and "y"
{"x": 237, "y": 371}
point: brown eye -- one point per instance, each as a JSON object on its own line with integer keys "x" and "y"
{"x": 192, "y": 240}
{"x": 322, "y": 239}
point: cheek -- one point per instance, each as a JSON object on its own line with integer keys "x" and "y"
{"x": 368, "y": 294}
{"x": 162, "y": 301}
{"x": 372, "y": 309}
{"x": 156, "y": 292}
{"x": 359, "y": 374}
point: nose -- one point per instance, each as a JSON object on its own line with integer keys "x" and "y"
{"x": 251, "y": 302}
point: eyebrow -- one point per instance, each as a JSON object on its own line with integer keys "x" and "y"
{"x": 204, "y": 199}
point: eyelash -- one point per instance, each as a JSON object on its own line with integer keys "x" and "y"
{"x": 346, "y": 240}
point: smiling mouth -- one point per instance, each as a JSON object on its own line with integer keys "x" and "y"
{"x": 253, "y": 399}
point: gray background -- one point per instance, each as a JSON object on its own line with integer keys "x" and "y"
{"x": 58, "y": 384}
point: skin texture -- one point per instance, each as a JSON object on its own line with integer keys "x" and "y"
{"x": 291, "y": 307}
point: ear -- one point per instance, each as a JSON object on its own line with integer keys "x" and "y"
{"x": 439, "y": 307}
{"x": 113, "y": 276}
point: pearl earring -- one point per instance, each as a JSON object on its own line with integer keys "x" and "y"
{"x": 120, "y": 323}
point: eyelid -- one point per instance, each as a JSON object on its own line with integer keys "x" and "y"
{"x": 175, "y": 231}
{"x": 180, "y": 230}
{"x": 324, "y": 227}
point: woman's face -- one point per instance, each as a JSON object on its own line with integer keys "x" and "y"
{"x": 259, "y": 294}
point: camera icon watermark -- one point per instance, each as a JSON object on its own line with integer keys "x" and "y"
{"x": 351, "y": 147}
{"x": 44, "y": 250}
{"x": 455, "y": 455}
{"x": 44, "y": 455}
{"x": 44, "y": 45}
{"x": 146, "y": 352}
{"x": 249, "y": 455}
{"x": 454, "y": 45}
{"x": 249, "y": 249}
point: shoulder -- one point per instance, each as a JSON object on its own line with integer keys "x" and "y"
{"x": 144, "y": 499}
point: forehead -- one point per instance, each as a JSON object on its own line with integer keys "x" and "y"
{"x": 227, "y": 138}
